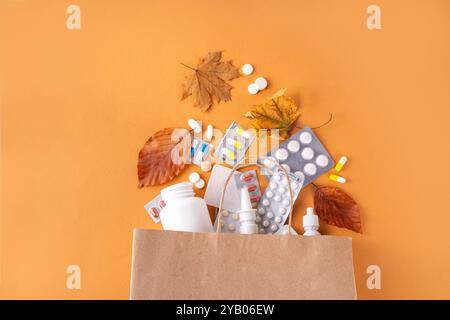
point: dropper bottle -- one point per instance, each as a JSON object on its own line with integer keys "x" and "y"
{"x": 310, "y": 223}
{"x": 247, "y": 214}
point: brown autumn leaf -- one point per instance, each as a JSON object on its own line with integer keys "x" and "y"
{"x": 163, "y": 156}
{"x": 335, "y": 207}
{"x": 208, "y": 84}
{"x": 276, "y": 112}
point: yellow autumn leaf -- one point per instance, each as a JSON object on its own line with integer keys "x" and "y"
{"x": 277, "y": 112}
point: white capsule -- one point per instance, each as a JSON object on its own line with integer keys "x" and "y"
{"x": 305, "y": 137}
{"x": 247, "y": 69}
{"x": 322, "y": 161}
{"x": 293, "y": 146}
{"x": 252, "y": 88}
{"x": 194, "y": 177}
{"x": 310, "y": 169}
{"x": 200, "y": 184}
{"x": 307, "y": 153}
{"x": 194, "y": 125}
{"x": 209, "y": 132}
{"x": 281, "y": 154}
{"x": 261, "y": 83}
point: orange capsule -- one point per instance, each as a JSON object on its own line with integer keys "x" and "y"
{"x": 251, "y": 188}
{"x": 247, "y": 177}
{"x": 154, "y": 212}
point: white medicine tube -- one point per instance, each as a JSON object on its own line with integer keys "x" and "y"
{"x": 247, "y": 214}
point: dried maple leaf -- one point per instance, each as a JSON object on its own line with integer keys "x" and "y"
{"x": 337, "y": 208}
{"x": 208, "y": 84}
{"x": 163, "y": 156}
{"x": 277, "y": 112}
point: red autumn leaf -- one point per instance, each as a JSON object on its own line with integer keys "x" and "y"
{"x": 163, "y": 156}
{"x": 337, "y": 208}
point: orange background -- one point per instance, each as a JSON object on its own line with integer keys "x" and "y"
{"x": 76, "y": 107}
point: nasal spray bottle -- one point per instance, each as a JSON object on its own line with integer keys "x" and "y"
{"x": 310, "y": 223}
{"x": 247, "y": 214}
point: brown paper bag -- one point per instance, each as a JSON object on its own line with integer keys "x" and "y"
{"x": 186, "y": 265}
{"x": 183, "y": 265}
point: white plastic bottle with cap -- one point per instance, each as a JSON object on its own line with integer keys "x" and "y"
{"x": 310, "y": 223}
{"x": 247, "y": 214}
{"x": 184, "y": 211}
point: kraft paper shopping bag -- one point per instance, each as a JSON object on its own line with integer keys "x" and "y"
{"x": 182, "y": 265}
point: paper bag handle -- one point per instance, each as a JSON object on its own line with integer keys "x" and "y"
{"x": 242, "y": 165}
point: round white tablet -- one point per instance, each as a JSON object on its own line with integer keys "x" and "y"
{"x": 293, "y": 146}
{"x": 277, "y": 198}
{"x": 262, "y": 231}
{"x": 235, "y": 217}
{"x": 281, "y": 154}
{"x": 278, "y": 219}
{"x": 265, "y": 223}
{"x": 194, "y": 177}
{"x": 273, "y": 185}
{"x": 286, "y": 202}
{"x": 322, "y": 161}
{"x": 261, "y": 83}
{"x": 299, "y": 175}
{"x": 307, "y": 153}
{"x": 252, "y": 88}
{"x": 305, "y": 137}
{"x": 282, "y": 210}
{"x": 269, "y": 215}
{"x": 231, "y": 227}
{"x": 225, "y": 213}
{"x": 200, "y": 184}
{"x": 247, "y": 69}
{"x": 281, "y": 190}
{"x": 269, "y": 194}
{"x": 269, "y": 162}
{"x": 261, "y": 211}
{"x": 310, "y": 169}
{"x": 274, "y": 227}
{"x": 286, "y": 167}
{"x": 258, "y": 219}
{"x": 265, "y": 202}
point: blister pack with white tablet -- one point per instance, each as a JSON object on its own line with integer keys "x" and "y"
{"x": 302, "y": 154}
{"x": 275, "y": 204}
{"x": 230, "y": 222}
{"x": 234, "y": 144}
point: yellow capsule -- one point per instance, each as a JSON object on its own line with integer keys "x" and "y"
{"x": 230, "y": 154}
{"x": 340, "y": 163}
{"x": 242, "y": 133}
{"x": 336, "y": 178}
{"x": 235, "y": 143}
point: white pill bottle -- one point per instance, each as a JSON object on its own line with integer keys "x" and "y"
{"x": 183, "y": 211}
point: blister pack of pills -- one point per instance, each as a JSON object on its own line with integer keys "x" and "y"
{"x": 274, "y": 206}
{"x": 234, "y": 144}
{"x": 249, "y": 180}
{"x": 302, "y": 154}
{"x": 154, "y": 207}
{"x": 229, "y": 222}
{"x": 200, "y": 150}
